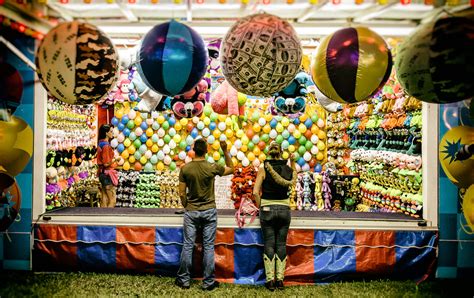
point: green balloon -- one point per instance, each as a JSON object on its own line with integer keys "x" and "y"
{"x": 285, "y": 134}
{"x": 301, "y": 150}
{"x": 130, "y": 124}
{"x": 308, "y": 146}
{"x": 167, "y": 138}
{"x": 296, "y": 156}
{"x": 302, "y": 140}
{"x": 279, "y": 139}
{"x": 250, "y": 145}
{"x": 165, "y": 125}
{"x": 137, "y": 143}
{"x": 172, "y": 166}
{"x": 265, "y": 138}
{"x": 137, "y": 155}
{"x": 265, "y": 150}
{"x": 314, "y": 118}
{"x": 207, "y": 110}
{"x": 213, "y": 116}
{"x": 182, "y": 144}
{"x": 255, "y": 116}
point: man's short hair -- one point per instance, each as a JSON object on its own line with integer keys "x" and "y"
{"x": 200, "y": 147}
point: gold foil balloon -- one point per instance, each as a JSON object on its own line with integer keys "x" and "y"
{"x": 77, "y": 63}
{"x": 16, "y": 146}
{"x": 260, "y": 55}
{"x": 460, "y": 172}
{"x": 351, "y": 64}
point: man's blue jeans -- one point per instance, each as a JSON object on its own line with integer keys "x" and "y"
{"x": 194, "y": 220}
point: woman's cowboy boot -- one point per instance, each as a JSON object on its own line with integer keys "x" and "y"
{"x": 269, "y": 272}
{"x": 280, "y": 272}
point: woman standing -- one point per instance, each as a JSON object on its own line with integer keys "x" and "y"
{"x": 275, "y": 180}
{"x": 107, "y": 164}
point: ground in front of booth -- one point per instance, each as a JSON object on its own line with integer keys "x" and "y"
{"x": 27, "y": 284}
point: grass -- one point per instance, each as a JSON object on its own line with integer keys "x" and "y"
{"x": 30, "y": 284}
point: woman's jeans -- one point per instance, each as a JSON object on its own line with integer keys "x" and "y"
{"x": 194, "y": 221}
{"x": 275, "y": 222}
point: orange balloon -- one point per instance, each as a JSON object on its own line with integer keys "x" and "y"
{"x": 312, "y": 163}
{"x": 261, "y": 145}
{"x": 189, "y": 126}
{"x": 191, "y": 153}
{"x": 125, "y": 154}
{"x": 308, "y": 134}
{"x": 249, "y": 133}
{"x": 137, "y": 166}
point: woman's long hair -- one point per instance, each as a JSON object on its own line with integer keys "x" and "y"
{"x": 103, "y": 130}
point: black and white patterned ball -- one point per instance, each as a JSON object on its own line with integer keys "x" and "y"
{"x": 77, "y": 63}
{"x": 260, "y": 55}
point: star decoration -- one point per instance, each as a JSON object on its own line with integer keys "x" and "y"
{"x": 451, "y": 149}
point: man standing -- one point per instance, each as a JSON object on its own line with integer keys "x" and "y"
{"x": 198, "y": 178}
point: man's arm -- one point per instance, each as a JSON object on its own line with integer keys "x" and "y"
{"x": 182, "y": 194}
{"x": 258, "y": 185}
{"x": 229, "y": 168}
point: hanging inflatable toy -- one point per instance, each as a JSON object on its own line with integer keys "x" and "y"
{"x": 11, "y": 88}
{"x": 10, "y": 203}
{"x": 77, "y": 63}
{"x": 172, "y": 58}
{"x": 351, "y": 65}
{"x": 328, "y": 104}
{"x": 191, "y": 103}
{"x": 260, "y": 55}
{"x": 468, "y": 208}
{"x": 292, "y": 99}
{"x": 149, "y": 99}
{"x": 434, "y": 64}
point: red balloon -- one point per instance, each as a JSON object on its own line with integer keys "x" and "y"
{"x": 308, "y": 134}
{"x": 250, "y": 133}
{"x": 191, "y": 153}
{"x": 261, "y": 145}
{"x": 137, "y": 166}
{"x": 312, "y": 163}
{"x": 189, "y": 127}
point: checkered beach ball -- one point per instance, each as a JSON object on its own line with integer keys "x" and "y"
{"x": 77, "y": 63}
{"x": 260, "y": 55}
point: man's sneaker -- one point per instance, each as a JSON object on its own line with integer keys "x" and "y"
{"x": 180, "y": 284}
{"x": 212, "y": 287}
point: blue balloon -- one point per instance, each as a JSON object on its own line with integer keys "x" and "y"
{"x": 301, "y": 161}
{"x": 172, "y": 121}
{"x": 212, "y": 125}
{"x": 318, "y": 168}
{"x": 167, "y": 48}
{"x": 120, "y": 126}
{"x": 125, "y": 119}
{"x": 126, "y": 131}
{"x": 188, "y": 148}
{"x": 143, "y": 138}
{"x": 308, "y": 123}
{"x": 120, "y": 148}
{"x": 194, "y": 133}
{"x": 114, "y": 121}
{"x": 291, "y": 140}
{"x": 296, "y": 121}
{"x": 273, "y": 123}
{"x": 143, "y": 125}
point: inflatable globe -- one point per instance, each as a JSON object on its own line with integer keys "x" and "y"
{"x": 351, "y": 65}
{"x": 172, "y": 58}
{"x": 435, "y": 63}
{"x": 260, "y": 55}
{"x": 77, "y": 63}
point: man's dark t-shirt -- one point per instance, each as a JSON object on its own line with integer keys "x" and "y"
{"x": 199, "y": 178}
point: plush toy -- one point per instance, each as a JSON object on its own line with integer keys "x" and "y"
{"x": 292, "y": 100}
{"x": 299, "y": 192}
{"x": 149, "y": 99}
{"x": 318, "y": 180}
{"x": 191, "y": 103}
{"x": 327, "y": 191}
{"x": 307, "y": 180}
{"x": 242, "y": 184}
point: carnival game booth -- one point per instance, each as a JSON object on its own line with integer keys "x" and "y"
{"x": 366, "y": 201}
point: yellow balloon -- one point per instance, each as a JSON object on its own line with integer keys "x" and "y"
{"x": 266, "y": 128}
{"x": 118, "y": 113}
{"x": 216, "y": 155}
{"x": 314, "y": 129}
{"x": 262, "y": 157}
{"x": 160, "y": 166}
{"x": 228, "y": 121}
{"x": 297, "y": 134}
{"x": 256, "y": 151}
{"x": 229, "y": 133}
{"x": 161, "y": 119}
{"x": 125, "y": 154}
{"x": 243, "y": 148}
{"x": 285, "y": 121}
{"x": 216, "y": 145}
{"x": 279, "y": 127}
{"x": 16, "y": 145}
{"x": 149, "y": 143}
{"x": 143, "y": 160}
{"x": 178, "y": 126}
{"x": 285, "y": 155}
{"x": 320, "y": 156}
{"x": 321, "y": 135}
{"x": 154, "y": 148}
{"x": 126, "y": 166}
{"x": 303, "y": 117}
{"x": 291, "y": 148}
{"x": 251, "y": 156}
{"x": 183, "y": 121}
{"x": 256, "y": 127}
{"x": 321, "y": 145}
{"x": 239, "y": 133}
{"x": 138, "y": 120}
{"x": 235, "y": 161}
{"x": 127, "y": 142}
{"x": 131, "y": 149}
{"x": 177, "y": 138}
{"x": 245, "y": 140}
{"x": 268, "y": 117}
{"x": 302, "y": 128}
{"x": 221, "y": 118}
{"x": 132, "y": 159}
{"x": 149, "y": 132}
{"x": 242, "y": 98}
{"x": 216, "y": 133}
{"x": 206, "y": 121}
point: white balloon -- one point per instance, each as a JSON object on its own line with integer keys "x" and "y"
{"x": 172, "y": 144}
{"x": 161, "y": 132}
{"x": 222, "y": 137}
{"x": 160, "y": 143}
{"x": 314, "y": 150}
{"x": 154, "y": 114}
{"x": 114, "y": 143}
{"x": 240, "y": 155}
{"x": 320, "y": 123}
{"x": 273, "y": 134}
{"x": 262, "y": 122}
{"x": 206, "y": 132}
{"x": 245, "y": 162}
{"x": 221, "y": 126}
{"x": 167, "y": 160}
{"x": 200, "y": 125}
{"x": 307, "y": 156}
{"x": 210, "y": 159}
{"x": 255, "y": 139}
{"x": 172, "y": 132}
{"x": 189, "y": 140}
{"x": 160, "y": 155}
{"x": 182, "y": 155}
{"x": 305, "y": 167}
{"x": 166, "y": 149}
{"x": 195, "y": 120}
{"x": 314, "y": 139}
{"x": 211, "y": 139}
{"x": 256, "y": 163}
{"x": 233, "y": 151}
{"x": 148, "y": 154}
{"x": 238, "y": 144}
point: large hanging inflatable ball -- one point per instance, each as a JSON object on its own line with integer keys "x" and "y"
{"x": 468, "y": 207}
{"x": 16, "y": 146}
{"x": 77, "y": 63}
{"x": 435, "y": 63}
{"x": 459, "y": 171}
{"x": 10, "y": 203}
{"x": 172, "y": 58}
{"x": 260, "y": 54}
{"x": 351, "y": 65}
{"x": 11, "y": 87}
